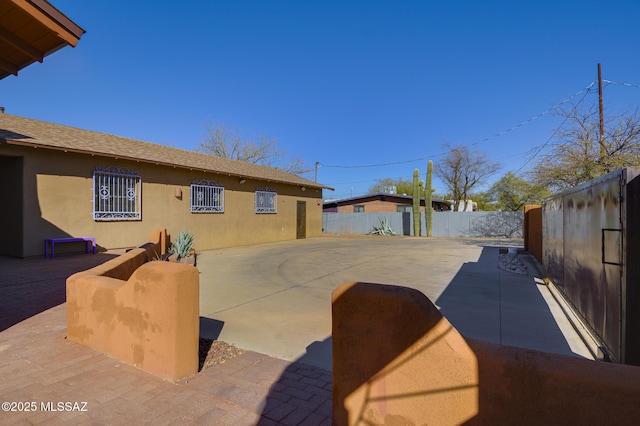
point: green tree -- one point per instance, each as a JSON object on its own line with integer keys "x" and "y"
{"x": 221, "y": 142}
{"x": 483, "y": 200}
{"x": 511, "y": 193}
{"x": 577, "y": 154}
{"x": 461, "y": 170}
{"x": 402, "y": 186}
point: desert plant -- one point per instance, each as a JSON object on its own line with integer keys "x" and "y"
{"x": 428, "y": 192}
{"x": 383, "y": 229}
{"x": 416, "y": 204}
{"x": 183, "y": 245}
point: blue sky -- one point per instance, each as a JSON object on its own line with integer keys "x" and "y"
{"x": 343, "y": 83}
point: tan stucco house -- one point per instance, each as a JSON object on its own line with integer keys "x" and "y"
{"x": 61, "y": 181}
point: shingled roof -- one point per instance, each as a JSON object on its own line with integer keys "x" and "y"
{"x": 16, "y": 130}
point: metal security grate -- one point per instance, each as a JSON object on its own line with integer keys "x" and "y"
{"x": 116, "y": 194}
{"x": 266, "y": 200}
{"x": 207, "y": 196}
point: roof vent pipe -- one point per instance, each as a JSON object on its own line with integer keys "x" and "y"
{"x": 1, "y": 110}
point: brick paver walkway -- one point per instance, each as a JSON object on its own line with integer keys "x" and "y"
{"x": 39, "y": 369}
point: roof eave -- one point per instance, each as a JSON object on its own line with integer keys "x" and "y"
{"x": 57, "y": 31}
{"x": 53, "y": 19}
{"x": 161, "y": 163}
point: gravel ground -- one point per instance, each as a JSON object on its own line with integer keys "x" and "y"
{"x": 214, "y": 352}
{"x": 521, "y": 262}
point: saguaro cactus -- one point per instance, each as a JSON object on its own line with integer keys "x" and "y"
{"x": 428, "y": 192}
{"x": 416, "y": 204}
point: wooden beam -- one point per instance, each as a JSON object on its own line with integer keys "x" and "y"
{"x": 8, "y": 67}
{"x": 53, "y": 19}
{"x": 21, "y": 45}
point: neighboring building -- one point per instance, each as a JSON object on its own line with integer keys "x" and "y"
{"x": 468, "y": 206}
{"x": 381, "y": 202}
{"x": 66, "y": 182}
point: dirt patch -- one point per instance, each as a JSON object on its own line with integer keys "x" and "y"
{"x": 214, "y": 352}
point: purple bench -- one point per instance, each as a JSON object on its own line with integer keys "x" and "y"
{"x": 53, "y": 241}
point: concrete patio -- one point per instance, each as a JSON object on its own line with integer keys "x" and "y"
{"x": 276, "y": 298}
{"x": 274, "y": 301}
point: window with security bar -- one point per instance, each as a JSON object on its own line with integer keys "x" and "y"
{"x": 266, "y": 200}
{"x": 207, "y": 196}
{"x": 116, "y": 194}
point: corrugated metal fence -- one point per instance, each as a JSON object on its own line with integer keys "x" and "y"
{"x": 445, "y": 224}
{"x": 590, "y": 237}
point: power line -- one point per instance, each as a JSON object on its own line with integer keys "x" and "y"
{"x": 349, "y": 183}
{"x": 381, "y": 164}
{"x": 536, "y": 151}
{"x": 541, "y": 147}
{"x": 407, "y": 178}
{"x": 622, "y": 84}
{"x": 586, "y": 90}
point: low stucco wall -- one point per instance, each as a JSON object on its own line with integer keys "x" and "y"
{"x": 143, "y": 313}
{"x": 397, "y": 360}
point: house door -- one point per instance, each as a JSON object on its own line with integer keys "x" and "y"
{"x": 301, "y": 220}
{"x": 11, "y": 215}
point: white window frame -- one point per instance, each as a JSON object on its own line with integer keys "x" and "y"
{"x": 206, "y": 196}
{"x": 266, "y": 200}
{"x": 116, "y": 194}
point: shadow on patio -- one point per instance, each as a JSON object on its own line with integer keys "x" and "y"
{"x": 33, "y": 285}
{"x": 481, "y": 302}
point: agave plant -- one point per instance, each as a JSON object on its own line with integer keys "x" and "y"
{"x": 383, "y": 229}
{"x": 183, "y": 245}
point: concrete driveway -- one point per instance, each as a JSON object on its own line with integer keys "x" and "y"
{"x": 276, "y": 298}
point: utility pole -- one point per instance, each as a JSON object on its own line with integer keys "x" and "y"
{"x": 602, "y": 149}
{"x": 315, "y": 179}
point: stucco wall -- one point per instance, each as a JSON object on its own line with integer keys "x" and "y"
{"x": 58, "y": 202}
{"x": 149, "y": 319}
{"x": 397, "y": 360}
